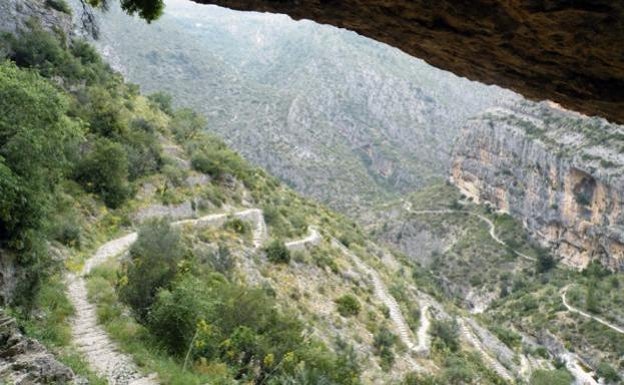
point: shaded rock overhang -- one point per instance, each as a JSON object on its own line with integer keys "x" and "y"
{"x": 568, "y": 51}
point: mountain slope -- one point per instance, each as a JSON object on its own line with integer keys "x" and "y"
{"x": 336, "y": 116}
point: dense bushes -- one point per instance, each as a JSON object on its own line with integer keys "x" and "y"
{"x": 551, "y": 377}
{"x": 219, "y": 321}
{"x": 211, "y": 156}
{"x": 153, "y": 263}
{"x": 545, "y": 261}
{"x": 383, "y": 342}
{"x": 445, "y": 335}
{"x": 283, "y": 221}
{"x": 104, "y": 171}
{"x": 277, "y": 252}
{"x": 34, "y": 133}
{"x": 49, "y": 55}
{"x": 34, "y": 136}
{"x": 348, "y": 305}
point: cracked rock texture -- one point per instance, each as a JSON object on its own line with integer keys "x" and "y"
{"x": 559, "y": 172}
{"x": 14, "y": 15}
{"x": 24, "y": 361}
{"x": 562, "y": 50}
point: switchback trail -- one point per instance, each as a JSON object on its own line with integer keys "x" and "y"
{"x": 313, "y": 238}
{"x": 468, "y": 335}
{"x": 587, "y": 315}
{"x": 91, "y": 339}
{"x": 483, "y": 218}
{"x": 381, "y": 292}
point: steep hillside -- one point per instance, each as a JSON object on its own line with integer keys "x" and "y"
{"x": 558, "y": 172}
{"x": 485, "y": 263}
{"x": 148, "y": 252}
{"x": 142, "y": 250}
{"x": 334, "y": 115}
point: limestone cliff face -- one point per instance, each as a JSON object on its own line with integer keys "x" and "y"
{"x": 560, "y": 173}
{"x": 15, "y": 14}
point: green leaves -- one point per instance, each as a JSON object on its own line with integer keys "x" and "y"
{"x": 34, "y": 136}
{"x": 104, "y": 171}
{"x": 277, "y": 252}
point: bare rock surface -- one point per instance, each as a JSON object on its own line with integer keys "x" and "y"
{"x": 560, "y": 173}
{"x": 15, "y": 14}
{"x": 24, "y": 361}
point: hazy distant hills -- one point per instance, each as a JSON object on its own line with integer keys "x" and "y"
{"x": 338, "y": 117}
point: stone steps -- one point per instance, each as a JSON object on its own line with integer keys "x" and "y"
{"x": 496, "y": 366}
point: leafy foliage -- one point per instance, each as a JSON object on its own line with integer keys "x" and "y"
{"x": 34, "y": 133}
{"x": 551, "y": 377}
{"x": 445, "y": 334}
{"x": 153, "y": 263}
{"x": 104, "y": 171}
{"x": 383, "y": 342}
{"x": 277, "y": 252}
{"x": 348, "y": 305}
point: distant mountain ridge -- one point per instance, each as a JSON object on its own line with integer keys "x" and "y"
{"x": 338, "y": 117}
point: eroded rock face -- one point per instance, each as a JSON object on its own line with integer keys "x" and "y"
{"x": 16, "y": 14}
{"x": 566, "y": 51}
{"x": 559, "y": 172}
{"x": 24, "y": 361}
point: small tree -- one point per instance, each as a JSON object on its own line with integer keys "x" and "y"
{"x": 383, "y": 342}
{"x": 348, "y": 305}
{"x": 162, "y": 101}
{"x": 545, "y": 261}
{"x": 607, "y": 372}
{"x": 104, "y": 171}
{"x": 591, "y": 300}
{"x": 277, "y": 252}
{"x": 152, "y": 265}
{"x": 446, "y": 334}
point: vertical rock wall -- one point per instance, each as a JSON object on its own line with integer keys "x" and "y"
{"x": 558, "y": 172}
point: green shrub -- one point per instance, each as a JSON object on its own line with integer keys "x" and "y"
{"x": 36, "y": 136}
{"x": 551, "y": 377}
{"x": 507, "y": 336}
{"x": 607, "y": 372}
{"x": 67, "y": 231}
{"x": 545, "y": 262}
{"x": 445, "y": 334}
{"x": 220, "y": 321}
{"x": 383, "y": 342}
{"x": 457, "y": 371}
{"x": 238, "y": 225}
{"x": 277, "y": 252}
{"x": 348, "y": 305}
{"x": 35, "y": 133}
{"x": 162, "y": 101}
{"x": 153, "y": 263}
{"x": 143, "y": 151}
{"x": 104, "y": 171}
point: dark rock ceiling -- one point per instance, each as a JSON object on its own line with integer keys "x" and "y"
{"x": 568, "y": 51}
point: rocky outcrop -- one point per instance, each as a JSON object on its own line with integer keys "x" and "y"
{"x": 15, "y": 14}
{"x": 567, "y": 51}
{"x": 559, "y": 172}
{"x": 24, "y": 361}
